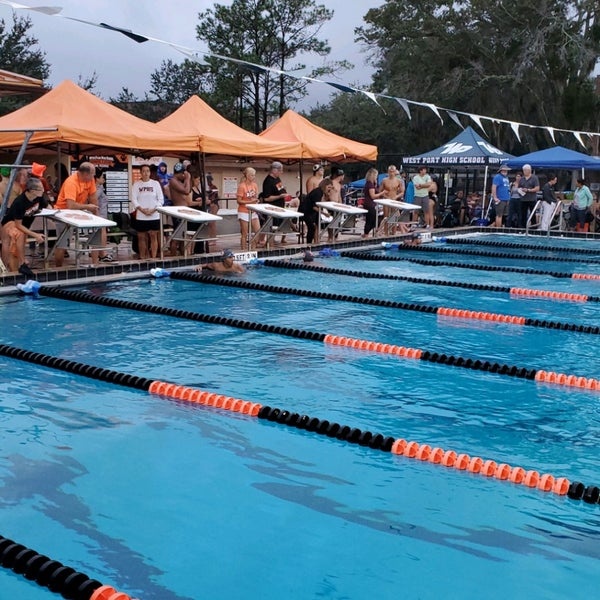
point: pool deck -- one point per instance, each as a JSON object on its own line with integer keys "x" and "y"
{"x": 125, "y": 266}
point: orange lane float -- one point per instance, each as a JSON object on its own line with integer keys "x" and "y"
{"x": 587, "y": 383}
{"x": 181, "y": 392}
{"x": 106, "y": 592}
{"x": 480, "y": 466}
{"x": 584, "y": 276}
{"x": 338, "y": 340}
{"x": 548, "y": 294}
{"x": 480, "y": 315}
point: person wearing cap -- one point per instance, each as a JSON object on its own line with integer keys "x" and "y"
{"x": 226, "y": 265}
{"x": 529, "y": 187}
{"x": 315, "y": 179}
{"x": 273, "y": 191}
{"x": 78, "y": 192}
{"x": 501, "y": 194}
{"x": 38, "y": 170}
{"x": 412, "y": 240}
{"x": 163, "y": 178}
{"x": 393, "y": 188}
{"x": 308, "y": 256}
{"x": 180, "y": 185}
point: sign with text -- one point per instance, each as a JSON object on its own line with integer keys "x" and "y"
{"x": 230, "y": 186}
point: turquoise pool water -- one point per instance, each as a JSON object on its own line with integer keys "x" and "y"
{"x": 165, "y": 500}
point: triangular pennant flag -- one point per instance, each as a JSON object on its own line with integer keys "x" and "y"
{"x": 477, "y": 120}
{"x": 339, "y": 86}
{"x": 515, "y": 127}
{"x": 127, "y": 32}
{"x": 455, "y": 118}
{"x": 140, "y": 38}
{"x": 46, "y": 10}
{"x": 372, "y": 97}
{"x": 404, "y": 104}
{"x": 577, "y": 135}
{"x": 434, "y": 108}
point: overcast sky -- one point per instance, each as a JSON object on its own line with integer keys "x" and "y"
{"x": 75, "y": 49}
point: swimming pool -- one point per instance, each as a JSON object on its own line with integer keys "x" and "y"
{"x": 168, "y": 500}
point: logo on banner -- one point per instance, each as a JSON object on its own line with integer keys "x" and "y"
{"x": 456, "y": 148}
{"x": 490, "y": 148}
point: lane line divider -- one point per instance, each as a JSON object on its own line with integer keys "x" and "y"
{"x": 426, "y": 308}
{"x": 476, "y": 465}
{"x": 515, "y": 291}
{"x": 433, "y": 357}
{"x": 52, "y": 574}
{"x": 441, "y": 282}
{"x": 428, "y": 248}
{"x": 456, "y": 240}
{"x": 363, "y": 255}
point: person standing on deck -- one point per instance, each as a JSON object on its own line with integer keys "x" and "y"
{"x": 501, "y": 194}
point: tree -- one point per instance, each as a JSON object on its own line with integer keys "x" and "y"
{"x": 88, "y": 83}
{"x": 356, "y": 117}
{"x": 175, "y": 83}
{"x": 144, "y": 108}
{"x": 512, "y": 59}
{"x": 171, "y": 85}
{"x": 18, "y": 53}
{"x": 270, "y": 33}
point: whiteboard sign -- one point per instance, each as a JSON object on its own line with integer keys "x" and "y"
{"x": 230, "y": 186}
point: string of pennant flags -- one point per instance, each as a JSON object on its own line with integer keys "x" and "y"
{"x": 405, "y": 103}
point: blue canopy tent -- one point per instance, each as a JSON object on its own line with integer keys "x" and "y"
{"x": 557, "y": 158}
{"x": 360, "y": 183}
{"x": 467, "y": 149}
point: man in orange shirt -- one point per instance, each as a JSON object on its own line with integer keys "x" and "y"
{"x": 78, "y": 192}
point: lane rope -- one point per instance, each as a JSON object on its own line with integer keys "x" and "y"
{"x": 54, "y": 575}
{"x": 362, "y": 255}
{"x": 428, "y": 248}
{"x": 425, "y": 308}
{"x": 474, "y": 464}
{"x": 425, "y": 355}
{"x": 441, "y": 282}
{"x": 520, "y": 246}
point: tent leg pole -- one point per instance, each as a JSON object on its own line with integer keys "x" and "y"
{"x": 13, "y": 174}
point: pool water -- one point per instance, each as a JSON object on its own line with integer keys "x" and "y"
{"x": 167, "y": 500}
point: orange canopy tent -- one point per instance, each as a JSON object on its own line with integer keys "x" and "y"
{"x": 71, "y": 115}
{"x": 317, "y": 143}
{"x": 14, "y": 84}
{"x": 217, "y": 135}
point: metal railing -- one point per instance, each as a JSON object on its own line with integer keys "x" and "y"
{"x": 534, "y": 221}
